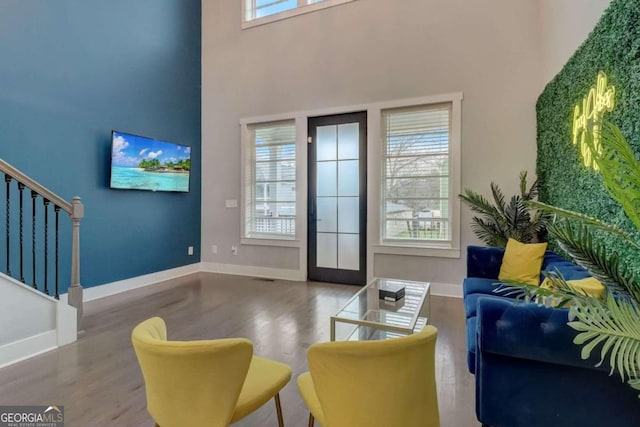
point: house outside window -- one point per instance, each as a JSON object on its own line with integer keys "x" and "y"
{"x": 270, "y": 181}
{"x": 416, "y": 197}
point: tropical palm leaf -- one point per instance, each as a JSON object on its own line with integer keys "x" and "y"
{"x": 584, "y": 219}
{"x": 539, "y": 221}
{"x": 559, "y": 294}
{"x": 577, "y": 241}
{"x": 635, "y": 383}
{"x": 478, "y": 203}
{"x": 613, "y": 325}
{"x": 620, "y": 170}
{"x": 488, "y": 231}
{"x": 530, "y": 194}
{"x": 523, "y": 183}
{"x": 513, "y": 213}
{"x": 498, "y": 197}
{"x": 534, "y": 191}
{"x": 512, "y": 219}
{"x": 519, "y": 291}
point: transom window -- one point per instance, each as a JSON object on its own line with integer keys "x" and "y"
{"x": 416, "y": 201}
{"x": 270, "y": 180}
{"x": 262, "y": 11}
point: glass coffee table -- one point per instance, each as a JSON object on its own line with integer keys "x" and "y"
{"x": 367, "y": 317}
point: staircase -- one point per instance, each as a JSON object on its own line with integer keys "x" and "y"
{"x": 35, "y": 319}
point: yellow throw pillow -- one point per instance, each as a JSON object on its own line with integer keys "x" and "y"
{"x": 589, "y": 286}
{"x": 522, "y": 262}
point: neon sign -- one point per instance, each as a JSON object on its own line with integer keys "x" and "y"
{"x": 587, "y": 117}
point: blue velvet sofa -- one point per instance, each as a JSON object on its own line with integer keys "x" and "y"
{"x": 528, "y": 372}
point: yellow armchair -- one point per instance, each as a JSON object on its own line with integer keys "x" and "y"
{"x": 204, "y": 383}
{"x": 373, "y": 383}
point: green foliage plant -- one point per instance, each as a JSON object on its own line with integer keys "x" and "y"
{"x": 613, "y": 47}
{"x": 608, "y": 250}
{"x": 501, "y": 220}
{"x": 610, "y": 326}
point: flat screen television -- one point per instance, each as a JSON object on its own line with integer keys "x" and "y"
{"x": 139, "y": 163}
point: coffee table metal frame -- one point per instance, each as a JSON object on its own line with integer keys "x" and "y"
{"x": 420, "y": 315}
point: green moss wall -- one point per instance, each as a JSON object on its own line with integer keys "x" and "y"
{"x": 612, "y": 47}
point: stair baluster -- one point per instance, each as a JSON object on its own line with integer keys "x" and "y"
{"x": 21, "y": 191}
{"x": 34, "y": 196}
{"x": 46, "y": 245}
{"x": 57, "y": 210}
{"x": 7, "y": 180}
{"x": 75, "y": 210}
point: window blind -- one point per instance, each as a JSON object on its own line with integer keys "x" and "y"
{"x": 416, "y": 197}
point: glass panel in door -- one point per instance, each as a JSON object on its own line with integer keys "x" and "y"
{"x": 337, "y": 198}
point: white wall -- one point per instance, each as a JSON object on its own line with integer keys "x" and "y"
{"x": 369, "y": 51}
{"x": 564, "y": 25}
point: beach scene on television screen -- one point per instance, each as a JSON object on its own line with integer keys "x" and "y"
{"x": 140, "y": 163}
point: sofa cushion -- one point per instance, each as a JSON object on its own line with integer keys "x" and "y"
{"x": 522, "y": 262}
{"x": 569, "y": 270}
{"x": 551, "y": 258}
{"x": 589, "y": 286}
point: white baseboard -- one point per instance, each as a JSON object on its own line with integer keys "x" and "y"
{"x": 26, "y": 348}
{"x": 113, "y": 288}
{"x": 101, "y": 291}
{"x": 253, "y": 271}
{"x": 446, "y": 290}
{"x": 437, "y": 289}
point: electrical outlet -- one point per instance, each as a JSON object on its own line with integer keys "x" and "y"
{"x": 234, "y": 250}
{"x": 214, "y": 249}
{"x": 190, "y": 250}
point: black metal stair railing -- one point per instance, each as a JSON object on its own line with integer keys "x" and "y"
{"x": 41, "y": 253}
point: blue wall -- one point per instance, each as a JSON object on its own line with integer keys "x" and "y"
{"x": 70, "y": 72}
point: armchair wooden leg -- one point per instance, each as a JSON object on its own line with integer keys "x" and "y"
{"x": 311, "y": 420}
{"x": 279, "y": 410}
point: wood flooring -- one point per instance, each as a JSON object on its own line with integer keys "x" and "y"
{"x": 98, "y": 380}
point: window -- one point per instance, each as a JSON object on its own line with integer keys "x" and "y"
{"x": 258, "y": 12}
{"x": 416, "y": 202}
{"x": 270, "y": 181}
{"x": 259, "y": 8}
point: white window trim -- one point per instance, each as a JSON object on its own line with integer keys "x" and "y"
{"x": 299, "y": 10}
{"x": 257, "y": 238}
{"x": 301, "y": 159}
{"x": 449, "y": 249}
